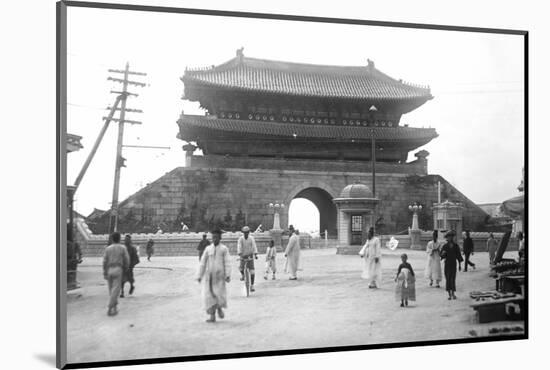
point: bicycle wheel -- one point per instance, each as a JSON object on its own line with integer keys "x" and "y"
{"x": 247, "y": 281}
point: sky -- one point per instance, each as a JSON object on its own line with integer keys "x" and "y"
{"x": 476, "y": 80}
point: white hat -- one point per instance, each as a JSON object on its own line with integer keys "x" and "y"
{"x": 245, "y": 229}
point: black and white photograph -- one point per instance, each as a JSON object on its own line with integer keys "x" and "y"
{"x": 242, "y": 185}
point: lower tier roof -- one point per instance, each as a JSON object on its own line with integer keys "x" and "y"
{"x": 193, "y": 127}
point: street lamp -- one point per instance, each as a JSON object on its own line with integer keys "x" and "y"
{"x": 276, "y": 218}
{"x": 415, "y": 208}
{"x": 414, "y": 231}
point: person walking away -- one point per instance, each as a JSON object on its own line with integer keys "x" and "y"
{"x": 468, "y": 249}
{"x": 246, "y": 248}
{"x": 150, "y": 249}
{"x": 492, "y": 246}
{"x": 202, "y": 245}
{"x": 450, "y": 253}
{"x": 433, "y": 267}
{"x": 134, "y": 260}
{"x": 115, "y": 262}
{"x": 292, "y": 254}
{"x": 214, "y": 273}
{"x": 270, "y": 257}
{"x": 405, "y": 289}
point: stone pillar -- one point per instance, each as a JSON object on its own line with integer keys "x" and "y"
{"x": 277, "y": 236}
{"x": 423, "y": 160}
{"x": 188, "y": 149}
{"x": 414, "y": 231}
{"x": 415, "y": 221}
{"x": 415, "y": 238}
{"x": 276, "y": 221}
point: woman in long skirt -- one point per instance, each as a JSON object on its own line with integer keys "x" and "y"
{"x": 433, "y": 266}
{"x": 405, "y": 289}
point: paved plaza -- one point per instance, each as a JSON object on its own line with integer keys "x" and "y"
{"x": 329, "y": 305}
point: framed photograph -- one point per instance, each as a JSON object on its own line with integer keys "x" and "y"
{"x": 247, "y": 184}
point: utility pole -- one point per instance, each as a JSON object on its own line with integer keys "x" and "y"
{"x": 113, "y": 222}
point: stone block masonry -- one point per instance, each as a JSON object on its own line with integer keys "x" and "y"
{"x": 213, "y": 193}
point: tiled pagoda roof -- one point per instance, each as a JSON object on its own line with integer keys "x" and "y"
{"x": 189, "y": 124}
{"x": 298, "y": 79}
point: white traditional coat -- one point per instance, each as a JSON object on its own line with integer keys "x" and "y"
{"x": 372, "y": 270}
{"x": 292, "y": 252}
{"x": 214, "y": 268}
{"x": 433, "y": 266}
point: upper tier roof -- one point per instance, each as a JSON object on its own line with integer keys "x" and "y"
{"x": 298, "y": 79}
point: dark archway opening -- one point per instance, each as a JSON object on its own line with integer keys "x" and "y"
{"x": 327, "y": 210}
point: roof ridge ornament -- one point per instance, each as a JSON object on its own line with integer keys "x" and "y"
{"x": 240, "y": 53}
{"x": 370, "y": 65}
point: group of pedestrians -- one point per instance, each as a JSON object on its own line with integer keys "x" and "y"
{"x": 215, "y": 266}
{"x": 448, "y": 253}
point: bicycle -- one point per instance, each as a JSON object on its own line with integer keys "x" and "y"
{"x": 246, "y": 273}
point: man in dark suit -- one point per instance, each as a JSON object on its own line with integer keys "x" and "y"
{"x": 450, "y": 253}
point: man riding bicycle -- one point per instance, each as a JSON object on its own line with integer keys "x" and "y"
{"x": 246, "y": 248}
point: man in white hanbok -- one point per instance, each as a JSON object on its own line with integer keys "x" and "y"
{"x": 372, "y": 253}
{"x": 433, "y": 266}
{"x": 214, "y": 273}
{"x": 292, "y": 253}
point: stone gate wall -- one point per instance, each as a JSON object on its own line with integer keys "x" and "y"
{"x": 211, "y": 191}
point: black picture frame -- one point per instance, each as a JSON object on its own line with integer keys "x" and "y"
{"x": 61, "y": 174}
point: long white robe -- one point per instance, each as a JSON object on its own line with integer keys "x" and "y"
{"x": 433, "y": 266}
{"x": 214, "y": 268}
{"x": 292, "y": 252}
{"x": 372, "y": 270}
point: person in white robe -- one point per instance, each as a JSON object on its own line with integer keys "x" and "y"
{"x": 433, "y": 266}
{"x": 292, "y": 253}
{"x": 372, "y": 254}
{"x": 214, "y": 273}
{"x": 270, "y": 260}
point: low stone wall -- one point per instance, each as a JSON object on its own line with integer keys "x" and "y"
{"x": 177, "y": 244}
{"x": 479, "y": 238}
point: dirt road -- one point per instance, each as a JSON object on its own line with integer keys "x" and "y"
{"x": 330, "y": 305}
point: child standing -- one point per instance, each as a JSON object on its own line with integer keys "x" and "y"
{"x": 270, "y": 256}
{"x": 405, "y": 288}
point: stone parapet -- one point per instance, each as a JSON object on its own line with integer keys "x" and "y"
{"x": 332, "y": 166}
{"x": 178, "y": 244}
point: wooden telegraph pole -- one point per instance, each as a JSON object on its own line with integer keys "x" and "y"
{"x": 113, "y": 222}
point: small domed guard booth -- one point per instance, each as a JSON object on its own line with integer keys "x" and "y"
{"x": 356, "y": 207}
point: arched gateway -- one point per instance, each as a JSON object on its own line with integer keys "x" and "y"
{"x": 321, "y": 195}
{"x": 274, "y": 131}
